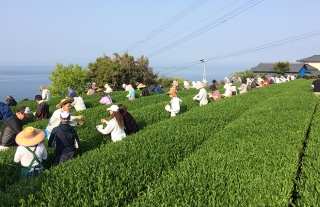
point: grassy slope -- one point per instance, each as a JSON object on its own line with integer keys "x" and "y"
{"x": 153, "y": 149}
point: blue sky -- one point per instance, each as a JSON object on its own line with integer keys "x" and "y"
{"x": 43, "y": 33}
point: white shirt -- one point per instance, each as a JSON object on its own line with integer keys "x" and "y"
{"x": 55, "y": 120}
{"x": 116, "y": 132}
{"x": 186, "y": 84}
{"x": 78, "y": 104}
{"x": 202, "y": 96}
{"x": 227, "y": 93}
{"x": 25, "y": 157}
{"x": 175, "y": 104}
{"x": 46, "y": 95}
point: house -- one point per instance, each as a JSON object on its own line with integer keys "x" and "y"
{"x": 299, "y": 69}
{"x": 314, "y": 61}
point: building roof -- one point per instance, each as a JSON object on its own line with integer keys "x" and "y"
{"x": 268, "y": 68}
{"x": 312, "y": 59}
{"x": 312, "y": 69}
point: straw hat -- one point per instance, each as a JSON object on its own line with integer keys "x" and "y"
{"x": 30, "y": 137}
{"x": 141, "y": 85}
{"x": 64, "y": 101}
{"x": 99, "y": 89}
{"x": 172, "y": 92}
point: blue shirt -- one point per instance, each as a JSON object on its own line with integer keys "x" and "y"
{"x": 5, "y": 112}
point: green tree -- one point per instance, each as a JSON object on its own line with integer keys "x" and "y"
{"x": 281, "y": 67}
{"x": 242, "y": 74}
{"x": 121, "y": 69}
{"x": 71, "y": 75}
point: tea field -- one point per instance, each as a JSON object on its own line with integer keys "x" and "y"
{"x": 260, "y": 148}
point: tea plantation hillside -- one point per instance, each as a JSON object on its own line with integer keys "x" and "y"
{"x": 260, "y": 148}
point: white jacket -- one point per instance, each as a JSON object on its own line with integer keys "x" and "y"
{"x": 175, "y": 106}
{"x": 202, "y": 97}
{"x": 46, "y": 95}
{"x": 78, "y": 104}
{"x": 116, "y": 132}
{"x": 55, "y": 120}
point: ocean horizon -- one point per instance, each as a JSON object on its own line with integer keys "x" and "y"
{"x": 23, "y": 82}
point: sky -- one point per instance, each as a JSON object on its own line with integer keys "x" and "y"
{"x": 171, "y": 34}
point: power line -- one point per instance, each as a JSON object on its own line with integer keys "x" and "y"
{"x": 191, "y": 26}
{"x": 254, "y": 49}
{"x": 312, "y": 48}
{"x": 221, "y": 20}
{"x": 173, "y": 20}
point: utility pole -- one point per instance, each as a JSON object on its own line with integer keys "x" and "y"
{"x": 204, "y": 80}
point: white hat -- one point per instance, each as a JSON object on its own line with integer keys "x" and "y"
{"x": 199, "y": 85}
{"x": 113, "y": 108}
{"x": 24, "y": 110}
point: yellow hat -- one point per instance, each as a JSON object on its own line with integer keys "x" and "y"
{"x": 141, "y": 85}
{"x": 172, "y": 92}
{"x": 30, "y": 137}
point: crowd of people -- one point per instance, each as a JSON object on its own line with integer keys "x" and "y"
{"x": 62, "y": 135}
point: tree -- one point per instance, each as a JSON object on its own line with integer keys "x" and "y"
{"x": 71, "y": 75}
{"x": 121, "y": 69}
{"x": 281, "y": 67}
{"x": 242, "y": 74}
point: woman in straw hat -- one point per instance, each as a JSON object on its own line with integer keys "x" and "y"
{"x": 30, "y": 152}
{"x": 64, "y": 105}
{"x": 175, "y": 102}
{"x": 65, "y": 139}
{"x": 144, "y": 89}
{"x": 115, "y": 125}
{"x": 202, "y": 95}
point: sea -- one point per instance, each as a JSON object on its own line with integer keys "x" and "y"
{"x": 23, "y": 82}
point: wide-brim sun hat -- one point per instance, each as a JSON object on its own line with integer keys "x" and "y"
{"x": 172, "y": 92}
{"x": 199, "y": 85}
{"x": 99, "y": 89}
{"x": 113, "y": 108}
{"x": 30, "y": 137}
{"x": 141, "y": 85}
{"x": 64, "y": 101}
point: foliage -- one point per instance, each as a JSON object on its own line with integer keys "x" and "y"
{"x": 121, "y": 69}
{"x": 167, "y": 82}
{"x": 239, "y": 151}
{"x": 242, "y": 74}
{"x": 281, "y": 67}
{"x": 64, "y": 76}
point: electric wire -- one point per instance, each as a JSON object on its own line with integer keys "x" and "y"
{"x": 250, "y": 50}
{"x": 173, "y": 20}
{"x": 191, "y": 26}
{"x": 221, "y": 20}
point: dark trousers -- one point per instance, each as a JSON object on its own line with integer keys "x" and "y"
{"x": 64, "y": 157}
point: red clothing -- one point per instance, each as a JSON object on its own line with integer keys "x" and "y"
{"x": 267, "y": 82}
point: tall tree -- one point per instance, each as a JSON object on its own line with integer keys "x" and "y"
{"x": 121, "y": 69}
{"x": 71, "y": 75}
{"x": 281, "y": 67}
